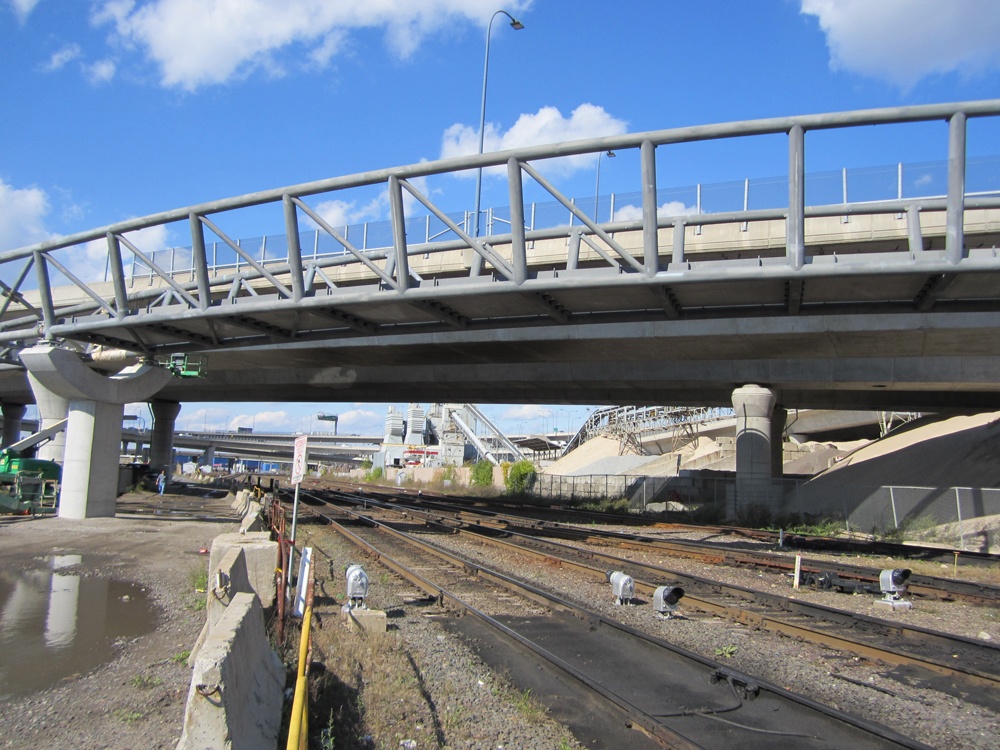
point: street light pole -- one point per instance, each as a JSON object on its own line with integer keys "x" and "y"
{"x": 517, "y": 26}
{"x": 597, "y": 187}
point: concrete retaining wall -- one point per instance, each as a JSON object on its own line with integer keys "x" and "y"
{"x": 237, "y": 684}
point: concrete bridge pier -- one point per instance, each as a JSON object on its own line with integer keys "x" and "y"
{"x": 94, "y": 431}
{"x": 758, "y": 450}
{"x": 161, "y": 447}
{"x": 13, "y": 416}
{"x": 52, "y": 408}
{"x": 208, "y": 457}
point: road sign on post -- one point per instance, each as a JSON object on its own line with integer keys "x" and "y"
{"x": 298, "y": 472}
{"x": 299, "y": 459}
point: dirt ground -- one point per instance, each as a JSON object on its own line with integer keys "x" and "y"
{"x": 135, "y": 700}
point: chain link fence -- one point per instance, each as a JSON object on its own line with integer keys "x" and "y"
{"x": 959, "y": 517}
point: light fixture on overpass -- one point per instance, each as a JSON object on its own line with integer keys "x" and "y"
{"x": 517, "y": 26}
{"x": 597, "y": 187}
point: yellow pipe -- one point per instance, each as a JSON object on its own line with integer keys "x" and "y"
{"x": 298, "y": 727}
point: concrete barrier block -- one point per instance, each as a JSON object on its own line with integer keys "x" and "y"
{"x": 224, "y": 582}
{"x": 369, "y": 620}
{"x": 261, "y": 556}
{"x": 243, "y": 499}
{"x": 237, "y": 684}
{"x": 252, "y": 520}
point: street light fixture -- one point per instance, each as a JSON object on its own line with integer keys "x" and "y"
{"x": 517, "y": 26}
{"x": 597, "y": 187}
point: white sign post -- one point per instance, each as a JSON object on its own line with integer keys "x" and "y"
{"x": 298, "y": 472}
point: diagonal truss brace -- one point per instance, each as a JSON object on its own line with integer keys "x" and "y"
{"x": 13, "y": 294}
{"x": 482, "y": 248}
{"x": 181, "y": 292}
{"x": 361, "y": 257}
{"x": 82, "y": 286}
{"x": 624, "y": 254}
{"x": 283, "y": 290}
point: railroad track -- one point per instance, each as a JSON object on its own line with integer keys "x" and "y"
{"x": 925, "y": 586}
{"x": 973, "y": 665}
{"x": 677, "y": 698}
{"x": 974, "y": 558}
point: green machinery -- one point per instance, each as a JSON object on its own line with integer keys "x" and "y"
{"x": 185, "y": 366}
{"x": 28, "y": 485}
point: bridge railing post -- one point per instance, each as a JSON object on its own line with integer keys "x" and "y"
{"x": 954, "y": 244}
{"x": 650, "y": 240}
{"x": 519, "y": 251}
{"x": 795, "y": 232}
{"x": 294, "y": 248}
{"x": 399, "y": 234}
{"x": 200, "y": 260}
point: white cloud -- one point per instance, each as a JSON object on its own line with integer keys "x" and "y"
{"x": 671, "y": 208}
{"x": 101, "y": 71}
{"x": 197, "y": 43}
{"x": 23, "y": 8}
{"x": 356, "y": 418}
{"x": 526, "y": 412}
{"x": 206, "y": 418}
{"x": 88, "y": 262}
{"x": 340, "y": 213}
{"x": 903, "y": 41}
{"x": 547, "y": 125}
{"x": 59, "y": 59}
{"x": 22, "y": 216}
{"x": 268, "y": 421}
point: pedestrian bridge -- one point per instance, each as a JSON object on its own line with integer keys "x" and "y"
{"x": 891, "y": 303}
{"x": 663, "y": 297}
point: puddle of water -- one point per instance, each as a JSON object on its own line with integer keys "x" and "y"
{"x": 59, "y": 622}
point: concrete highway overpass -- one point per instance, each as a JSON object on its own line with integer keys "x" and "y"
{"x": 886, "y": 304}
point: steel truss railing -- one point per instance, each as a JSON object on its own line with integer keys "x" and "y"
{"x": 159, "y": 318}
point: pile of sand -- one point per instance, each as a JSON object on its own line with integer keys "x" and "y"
{"x": 933, "y": 452}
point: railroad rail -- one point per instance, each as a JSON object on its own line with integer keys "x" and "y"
{"x": 926, "y": 586}
{"x": 973, "y": 663}
{"x": 677, "y": 698}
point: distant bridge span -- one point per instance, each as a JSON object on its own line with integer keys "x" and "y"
{"x": 891, "y": 304}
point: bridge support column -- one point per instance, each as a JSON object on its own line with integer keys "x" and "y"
{"x": 52, "y": 408}
{"x": 89, "y": 486}
{"x": 779, "y": 415}
{"x": 161, "y": 447}
{"x": 13, "y": 416}
{"x": 755, "y": 456}
{"x": 208, "y": 457}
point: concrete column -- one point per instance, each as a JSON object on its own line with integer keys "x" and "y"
{"x": 208, "y": 457}
{"x": 89, "y": 485}
{"x": 89, "y": 489}
{"x": 754, "y": 457}
{"x": 13, "y": 415}
{"x": 52, "y": 408}
{"x": 161, "y": 447}
{"x": 779, "y": 416}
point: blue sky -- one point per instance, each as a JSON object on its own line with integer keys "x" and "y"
{"x": 120, "y": 108}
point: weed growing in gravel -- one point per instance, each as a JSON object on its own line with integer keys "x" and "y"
{"x": 327, "y": 736}
{"x": 199, "y": 579}
{"x": 144, "y": 682}
{"x": 127, "y": 716}
{"x": 726, "y": 651}
{"x": 180, "y": 658}
{"x": 529, "y": 708}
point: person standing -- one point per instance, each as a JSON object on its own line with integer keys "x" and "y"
{"x": 161, "y": 482}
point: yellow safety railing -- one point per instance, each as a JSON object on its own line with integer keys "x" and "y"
{"x": 298, "y": 727}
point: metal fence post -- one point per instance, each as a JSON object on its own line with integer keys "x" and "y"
{"x": 892, "y": 502}
{"x": 958, "y": 509}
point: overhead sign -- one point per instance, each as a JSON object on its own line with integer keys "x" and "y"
{"x": 299, "y": 460}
